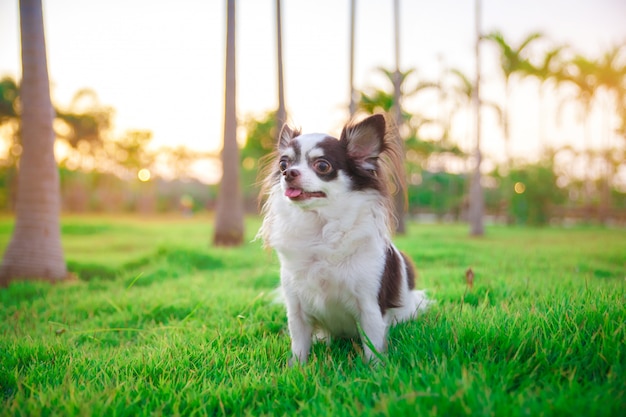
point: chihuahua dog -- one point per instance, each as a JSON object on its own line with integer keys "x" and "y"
{"x": 328, "y": 213}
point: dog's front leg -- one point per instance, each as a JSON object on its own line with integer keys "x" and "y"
{"x": 301, "y": 333}
{"x": 374, "y": 328}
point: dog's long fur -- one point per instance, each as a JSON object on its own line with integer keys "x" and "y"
{"x": 328, "y": 213}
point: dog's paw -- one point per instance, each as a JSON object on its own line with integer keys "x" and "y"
{"x": 374, "y": 359}
{"x": 294, "y": 361}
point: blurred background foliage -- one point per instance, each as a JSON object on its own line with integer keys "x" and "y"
{"x": 106, "y": 172}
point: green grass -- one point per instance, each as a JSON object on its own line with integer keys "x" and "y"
{"x": 160, "y": 323}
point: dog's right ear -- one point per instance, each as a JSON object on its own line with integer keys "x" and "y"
{"x": 286, "y": 134}
{"x": 365, "y": 140}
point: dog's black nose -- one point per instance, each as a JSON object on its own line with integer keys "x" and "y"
{"x": 291, "y": 173}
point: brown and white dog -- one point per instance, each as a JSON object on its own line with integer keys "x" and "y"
{"x": 328, "y": 214}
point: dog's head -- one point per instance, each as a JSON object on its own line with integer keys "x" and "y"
{"x": 315, "y": 169}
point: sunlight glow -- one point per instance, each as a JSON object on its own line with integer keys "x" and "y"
{"x": 143, "y": 175}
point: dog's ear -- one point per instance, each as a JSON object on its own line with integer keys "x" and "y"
{"x": 286, "y": 134}
{"x": 365, "y": 140}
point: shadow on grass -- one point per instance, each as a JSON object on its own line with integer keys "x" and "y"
{"x": 164, "y": 263}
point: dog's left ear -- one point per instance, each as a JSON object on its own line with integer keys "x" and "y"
{"x": 365, "y": 140}
{"x": 286, "y": 134}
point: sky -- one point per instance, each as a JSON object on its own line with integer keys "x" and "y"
{"x": 160, "y": 63}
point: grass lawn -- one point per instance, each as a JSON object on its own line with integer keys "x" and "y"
{"x": 160, "y": 323}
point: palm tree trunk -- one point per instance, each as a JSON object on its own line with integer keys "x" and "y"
{"x": 400, "y": 200}
{"x": 35, "y": 250}
{"x": 476, "y": 197}
{"x": 543, "y": 146}
{"x": 506, "y": 124}
{"x": 606, "y": 179}
{"x": 507, "y": 184}
{"x": 281, "y": 115}
{"x": 587, "y": 199}
{"x": 229, "y": 211}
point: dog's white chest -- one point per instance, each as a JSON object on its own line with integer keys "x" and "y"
{"x": 332, "y": 304}
{"x": 328, "y": 300}
{"x": 330, "y": 287}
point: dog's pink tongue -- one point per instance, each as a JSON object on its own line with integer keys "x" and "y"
{"x": 293, "y": 192}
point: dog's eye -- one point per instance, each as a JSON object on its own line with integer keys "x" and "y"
{"x": 322, "y": 166}
{"x": 283, "y": 165}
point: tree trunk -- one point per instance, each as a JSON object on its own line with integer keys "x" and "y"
{"x": 587, "y": 189}
{"x": 281, "y": 115}
{"x": 400, "y": 198}
{"x": 507, "y": 183}
{"x": 35, "y": 250}
{"x": 543, "y": 143}
{"x": 606, "y": 180}
{"x": 476, "y": 197}
{"x": 229, "y": 211}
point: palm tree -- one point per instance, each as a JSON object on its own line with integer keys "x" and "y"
{"x": 512, "y": 61}
{"x": 229, "y": 211}
{"x": 611, "y": 78}
{"x": 85, "y": 120}
{"x": 281, "y": 114}
{"x": 476, "y": 195}
{"x": 464, "y": 90}
{"x": 385, "y": 101}
{"x": 35, "y": 250}
{"x": 611, "y": 72}
{"x": 464, "y": 87}
{"x": 582, "y": 73}
{"x": 548, "y": 70}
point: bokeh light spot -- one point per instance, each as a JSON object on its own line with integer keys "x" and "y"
{"x": 144, "y": 175}
{"x": 249, "y": 163}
